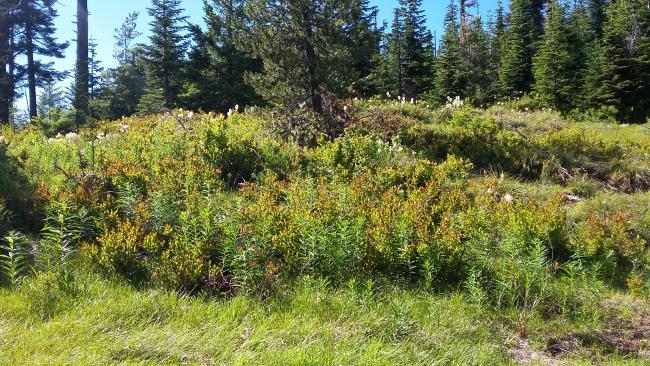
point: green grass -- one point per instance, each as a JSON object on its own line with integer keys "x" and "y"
{"x": 493, "y": 264}
{"x": 639, "y": 134}
{"x": 112, "y": 323}
{"x": 92, "y": 320}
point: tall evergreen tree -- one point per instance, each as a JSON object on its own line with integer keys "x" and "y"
{"x": 218, "y": 61}
{"x": 620, "y": 73}
{"x": 417, "y": 51}
{"x": 7, "y": 57}
{"x": 302, "y": 45}
{"x": 124, "y": 85}
{"x": 165, "y": 54}
{"x": 95, "y": 70}
{"x": 82, "y": 77}
{"x": 451, "y": 71}
{"x": 364, "y": 37}
{"x": 36, "y": 19}
{"x": 597, "y": 9}
{"x": 553, "y": 64}
{"x": 480, "y": 80}
{"x": 496, "y": 38}
{"x": 515, "y": 74}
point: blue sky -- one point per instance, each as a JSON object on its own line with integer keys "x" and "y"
{"x": 106, "y": 15}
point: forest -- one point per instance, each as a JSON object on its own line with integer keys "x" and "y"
{"x": 302, "y": 183}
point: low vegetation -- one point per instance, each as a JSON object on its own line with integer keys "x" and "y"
{"x": 416, "y": 235}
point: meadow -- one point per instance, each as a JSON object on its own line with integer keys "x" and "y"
{"x": 387, "y": 232}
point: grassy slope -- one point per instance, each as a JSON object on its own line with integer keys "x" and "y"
{"x": 98, "y": 321}
{"x": 108, "y": 322}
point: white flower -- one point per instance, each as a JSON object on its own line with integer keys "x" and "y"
{"x": 51, "y": 139}
{"x": 508, "y": 198}
{"x": 3, "y": 140}
{"x": 71, "y": 136}
{"x": 190, "y": 115}
{"x": 387, "y": 94}
{"x": 230, "y": 112}
{"x": 101, "y": 136}
{"x": 412, "y": 101}
{"x": 345, "y": 109}
{"x": 236, "y": 107}
{"x": 58, "y": 135}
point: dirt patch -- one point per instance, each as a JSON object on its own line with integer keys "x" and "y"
{"x": 626, "y": 337}
{"x": 524, "y": 354}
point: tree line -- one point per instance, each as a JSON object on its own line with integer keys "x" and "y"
{"x": 578, "y": 55}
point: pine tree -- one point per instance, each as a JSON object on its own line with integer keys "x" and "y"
{"x": 165, "y": 55}
{"x": 582, "y": 41}
{"x": 393, "y": 67}
{"x": 451, "y": 68}
{"x": 81, "y": 97}
{"x": 123, "y": 86}
{"x": 36, "y": 18}
{"x": 302, "y": 45}
{"x": 124, "y": 37}
{"x": 7, "y": 58}
{"x": 418, "y": 58}
{"x": 496, "y": 39}
{"x": 95, "y": 70}
{"x": 515, "y": 73}
{"x": 480, "y": 80}
{"x": 218, "y": 62}
{"x": 598, "y": 16}
{"x": 553, "y": 64}
{"x": 364, "y": 37}
{"x": 618, "y": 77}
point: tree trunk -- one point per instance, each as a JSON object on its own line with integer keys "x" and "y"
{"x": 81, "y": 92}
{"x": 310, "y": 58}
{"x": 31, "y": 70}
{"x": 6, "y": 91}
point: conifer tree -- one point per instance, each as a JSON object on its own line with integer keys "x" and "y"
{"x": 496, "y": 40}
{"x": 364, "y": 37}
{"x": 165, "y": 54}
{"x": 417, "y": 52}
{"x": 618, "y": 78}
{"x": 37, "y": 38}
{"x": 451, "y": 71}
{"x": 553, "y": 64}
{"x": 218, "y": 61}
{"x": 82, "y": 76}
{"x": 597, "y": 9}
{"x": 515, "y": 73}
{"x": 124, "y": 85}
{"x": 302, "y": 45}
{"x": 7, "y": 57}
{"x": 480, "y": 80}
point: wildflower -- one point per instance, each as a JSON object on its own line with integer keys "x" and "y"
{"x": 71, "y": 136}
{"x": 101, "y": 136}
{"x": 388, "y": 95}
{"x": 236, "y": 107}
{"x": 230, "y": 112}
{"x": 345, "y": 109}
{"x": 508, "y": 198}
{"x": 190, "y": 115}
{"x": 3, "y": 140}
